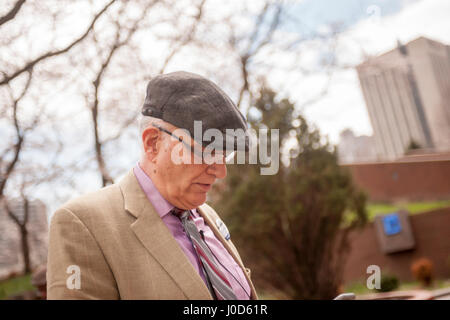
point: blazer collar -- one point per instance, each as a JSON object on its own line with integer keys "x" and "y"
{"x": 157, "y": 239}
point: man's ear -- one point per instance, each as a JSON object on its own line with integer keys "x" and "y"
{"x": 150, "y": 137}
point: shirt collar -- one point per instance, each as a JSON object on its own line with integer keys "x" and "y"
{"x": 161, "y": 205}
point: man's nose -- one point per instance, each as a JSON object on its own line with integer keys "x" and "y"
{"x": 217, "y": 169}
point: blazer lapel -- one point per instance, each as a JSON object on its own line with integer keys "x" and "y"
{"x": 157, "y": 239}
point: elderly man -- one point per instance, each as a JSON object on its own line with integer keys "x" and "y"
{"x": 151, "y": 235}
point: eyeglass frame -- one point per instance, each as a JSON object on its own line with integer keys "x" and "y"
{"x": 191, "y": 147}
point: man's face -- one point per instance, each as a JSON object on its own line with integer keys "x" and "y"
{"x": 185, "y": 184}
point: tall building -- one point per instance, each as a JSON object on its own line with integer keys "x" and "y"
{"x": 355, "y": 149}
{"x": 407, "y": 94}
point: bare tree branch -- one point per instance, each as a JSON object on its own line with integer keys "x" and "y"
{"x": 12, "y": 13}
{"x": 94, "y": 108}
{"x": 123, "y": 126}
{"x": 253, "y": 47}
{"x": 19, "y": 135}
{"x": 31, "y": 64}
{"x": 187, "y": 38}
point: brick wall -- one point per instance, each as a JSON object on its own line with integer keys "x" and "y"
{"x": 432, "y": 235}
{"x": 403, "y": 181}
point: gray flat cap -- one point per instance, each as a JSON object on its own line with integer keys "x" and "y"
{"x": 180, "y": 98}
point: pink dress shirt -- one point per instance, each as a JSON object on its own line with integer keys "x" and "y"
{"x": 235, "y": 275}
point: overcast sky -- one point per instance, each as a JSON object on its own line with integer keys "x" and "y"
{"x": 370, "y": 27}
{"x": 344, "y": 106}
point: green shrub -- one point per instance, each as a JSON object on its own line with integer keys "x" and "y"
{"x": 15, "y": 285}
{"x": 388, "y": 283}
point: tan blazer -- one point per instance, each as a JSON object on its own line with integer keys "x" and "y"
{"x": 123, "y": 249}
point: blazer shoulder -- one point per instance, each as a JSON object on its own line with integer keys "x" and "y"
{"x": 94, "y": 204}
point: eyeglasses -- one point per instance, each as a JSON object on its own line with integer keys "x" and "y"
{"x": 204, "y": 157}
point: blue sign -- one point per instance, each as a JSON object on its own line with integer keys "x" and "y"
{"x": 391, "y": 224}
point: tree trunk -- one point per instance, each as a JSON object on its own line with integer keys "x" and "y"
{"x": 25, "y": 249}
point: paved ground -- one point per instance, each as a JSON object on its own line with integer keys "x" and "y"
{"x": 441, "y": 294}
{"x": 398, "y": 295}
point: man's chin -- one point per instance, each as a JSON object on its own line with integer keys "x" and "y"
{"x": 198, "y": 199}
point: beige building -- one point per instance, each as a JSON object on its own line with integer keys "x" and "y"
{"x": 407, "y": 94}
{"x": 11, "y": 257}
{"x": 355, "y": 149}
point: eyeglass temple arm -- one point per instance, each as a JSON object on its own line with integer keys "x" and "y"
{"x": 178, "y": 138}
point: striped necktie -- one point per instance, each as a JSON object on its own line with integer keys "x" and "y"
{"x": 218, "y": 284}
